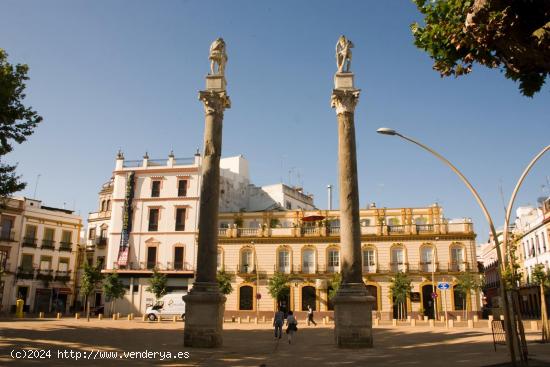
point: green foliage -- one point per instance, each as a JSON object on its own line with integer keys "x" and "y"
{"x": 224, "y": 282}
{"x": 539, "y": 276}
{"x": 16, "y": 120}
{"x": 91, "y": 277}
{"x": 400, "y": 287}
{"x": 273, "y": 223}
{"x": 511, "y": 35}
{"x": 113, "y": 288}
{"x": 278, "y": 287}
{"x": 157, "y": 284}
{"x": 467, "y": 282}
{"x": 335, "y": 284}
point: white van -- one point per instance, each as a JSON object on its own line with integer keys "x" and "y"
{"x": 170, "y": 305}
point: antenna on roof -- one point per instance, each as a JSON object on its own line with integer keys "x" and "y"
{"x": 36, "y": 186}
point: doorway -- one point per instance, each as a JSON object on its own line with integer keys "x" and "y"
{"x": 428, "y": 301}
{"x": 309, "y": 298}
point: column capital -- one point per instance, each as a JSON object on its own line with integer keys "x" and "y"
{"x": 344, "y": 100}
{"x": 215, "y": 102}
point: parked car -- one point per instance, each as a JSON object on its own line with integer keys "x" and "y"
{"x": 96, "y": 310}
{"x": 171, "y": 304}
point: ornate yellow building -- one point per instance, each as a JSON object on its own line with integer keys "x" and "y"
{"x": 305, "y": 245}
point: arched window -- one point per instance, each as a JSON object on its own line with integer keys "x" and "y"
{"x": 108, "y": 205}
{"x": 283, "y": 260}
{"x": 308, "y": 261}
{"x": 247, "y": 262}
{"x": 102, "y": 208}
{"x": 369, "y": 260}
{"x": 398, "y": 258}
{"x": 333, "y": 260}
{"x": 458, "y": 258}
{"x": 246, "y": 298}
{"x": 427, "y": 258}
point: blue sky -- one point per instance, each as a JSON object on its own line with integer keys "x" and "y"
{"x": 125, "y": 74}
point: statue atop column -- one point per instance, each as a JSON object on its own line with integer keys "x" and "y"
{"x": 343, "y": 54}
{"x": 217, "y": 56}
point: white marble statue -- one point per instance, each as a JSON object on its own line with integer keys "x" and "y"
{"x": 343, "y": 54}
{"x": 217, "y": 56}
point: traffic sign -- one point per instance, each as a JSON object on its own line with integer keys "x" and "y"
{"x": 443, "y": 285}
{"x": 434, "y": 295}
{"x": 258, "y": 296}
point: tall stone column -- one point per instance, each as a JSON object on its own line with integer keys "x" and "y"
{"x": 352, "y": 304}
{"x": 204, "y": 303}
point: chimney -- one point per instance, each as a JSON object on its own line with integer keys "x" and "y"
{"x": 329, "y": 188}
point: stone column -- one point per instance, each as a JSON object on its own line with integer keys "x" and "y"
{"x": 352, "y": 304}
{"x": 205, "y": 304}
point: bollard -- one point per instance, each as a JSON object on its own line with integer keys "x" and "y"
{"x": 451, "y": 324}
{"x": 442, "y": 318}
{"x": 114, "y": 316}
{"x": 413, "y": 322}
{"x": 238, "y": 320}
{"x": 158, "y": 318}
{"x": 394, "y": 322}
{"x": 100, "y": 316}
{"x": 471, "y": 324}
{"x": 143, "y": 317}
{"x": 432, "y": 323}
{"x": 476, "y": 318}
{"x": 408, "y": 319}
{"x": 77, "y": 316}
{"x": 129, "y": 317}
{"x": 248, "y": 319}
{"x": 458, "y": 318}
{"x": 263, "y": 318}
{"x": 376, "y": 322}
{"x": 325, "y": 321}
{"x": 41, "y": 315}
{"x": 534, "y": 325}
{"x": 58, "y": 316}
{"x": 175, "y": 319}
{"x": 255, "y": 320}
{"x": 502, "y": 317}
{"x": 425, "y": 318}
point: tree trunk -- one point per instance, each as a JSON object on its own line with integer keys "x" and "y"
{"x": 544, "y": 315}
{"x": 87, "y": 308}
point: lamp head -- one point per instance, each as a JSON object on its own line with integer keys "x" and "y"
{"x": 386, "y": 131}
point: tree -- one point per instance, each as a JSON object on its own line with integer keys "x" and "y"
{"x": 335, "y": 283}
{"x": 113, "y": 289}
{"x": 513, "y": 36}
{"x": 16, "y": 120}
{"x": 91, "y": 277}
{"x": 542, "y": 279}
{"x": 278, "y": 287}
{"x": 400, "y": 288}
{"x": 465, "y": 284}
{"x": 157, "y": 284}
{"x": 224, "y": 282}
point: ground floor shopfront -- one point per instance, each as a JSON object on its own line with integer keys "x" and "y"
{"x": 37, "y": 295}
{"x": 249, "y": 298}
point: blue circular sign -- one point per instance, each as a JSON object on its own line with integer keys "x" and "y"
{"x": 443, "y": 285}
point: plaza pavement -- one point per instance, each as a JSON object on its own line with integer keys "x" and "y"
{"x": 254, "y": 345}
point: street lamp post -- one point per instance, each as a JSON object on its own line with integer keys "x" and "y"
{"x": 511, "y": 341}
{"x": 257, "y": 282}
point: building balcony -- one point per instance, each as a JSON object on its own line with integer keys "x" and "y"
{"x": 428, "y": 267}
{"x": 29, "y": 242}
{"x": 248, "y": 232}
{"x": 7, "y": 236}
{"x": 458, "y": 267}
{"x": 25, "y": 273}
{"x": 396, "y": 229}
{"x": 369, "y": 269}
{"x": 246, "y": 269}
{"x": 424, "y": 228}
{"x": 63, "y": 276}
{"x": 45, "y": 275}
{"x": 65, "y": 246}
{"x": 48, "y": 245}
{"x": 396, "y": 267}
{"x": 178, "y": 266}
{"x": 100, "y": 242}
{"x": 311, "y": 231}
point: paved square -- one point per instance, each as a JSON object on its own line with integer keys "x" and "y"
{"x": 251, "y": 345}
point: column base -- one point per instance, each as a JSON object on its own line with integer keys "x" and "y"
{"x": 353, "y": 316}
{"x": 204, "y": 307}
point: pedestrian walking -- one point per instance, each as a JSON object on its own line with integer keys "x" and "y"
{"x": 310, "y": 316}
{"x": 278, "y": 321}
{"x": 291, "y": 326}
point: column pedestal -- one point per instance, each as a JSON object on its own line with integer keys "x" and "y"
{"x": 204, "y": 307}
{"x": 353, "y": 316}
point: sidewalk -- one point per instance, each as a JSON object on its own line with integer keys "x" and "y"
{"x": 255, "y": 345}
